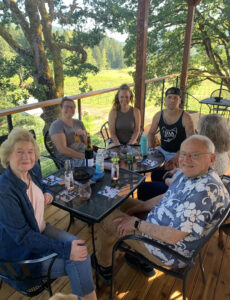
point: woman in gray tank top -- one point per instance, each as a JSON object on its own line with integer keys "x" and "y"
{"x": 124, "y": 120}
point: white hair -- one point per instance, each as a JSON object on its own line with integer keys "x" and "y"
{"x": 207, "y": 142}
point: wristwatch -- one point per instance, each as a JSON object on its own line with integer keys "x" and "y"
{"x": 137, "y": 223}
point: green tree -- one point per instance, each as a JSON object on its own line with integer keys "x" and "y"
{"x": 166, "y": 31}
{"x": 42, "y": 45}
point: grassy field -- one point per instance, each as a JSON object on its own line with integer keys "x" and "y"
{"x": 95, "y": 109}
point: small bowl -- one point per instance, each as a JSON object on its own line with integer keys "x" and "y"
{"x": 82, "y": 174}
{"x": 218, "y": 99}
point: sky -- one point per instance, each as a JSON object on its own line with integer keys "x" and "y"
{"x": 115, "y": 35}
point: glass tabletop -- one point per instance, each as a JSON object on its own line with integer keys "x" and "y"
{"x": 139, "y": 164}
{"x": 105, "y": 197}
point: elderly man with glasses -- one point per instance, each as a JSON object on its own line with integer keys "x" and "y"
{"x": 180, "y": 218}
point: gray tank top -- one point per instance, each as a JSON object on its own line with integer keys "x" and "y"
{"x": 124, "y": 125}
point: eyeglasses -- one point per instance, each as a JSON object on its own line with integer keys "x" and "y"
{"x": 192, "y": 156}
{"x": 68, "y": 106}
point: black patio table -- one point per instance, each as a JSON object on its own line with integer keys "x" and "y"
{"x": 98, "y": 206}
{"x": 221, "y": 105}
{"x": 148, "y": 163}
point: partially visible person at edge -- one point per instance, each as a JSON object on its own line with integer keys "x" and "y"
{"x": 124, "y": 120}
{"x": 69, "y": 135}
{"x": 175, "y": 125}
{"x": 216, "y": 128}
{"x": 23, "y": 232}
{"x": 181, "y": 218}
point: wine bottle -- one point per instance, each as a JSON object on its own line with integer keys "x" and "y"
{"x": 89, "y": 162}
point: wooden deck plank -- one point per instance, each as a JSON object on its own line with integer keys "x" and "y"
{"x": 222, "y": 290}
{"x": 132, "y": 285}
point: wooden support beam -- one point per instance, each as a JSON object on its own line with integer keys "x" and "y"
{"x": 187, "y": 45}
{"x": 142, "y": 33}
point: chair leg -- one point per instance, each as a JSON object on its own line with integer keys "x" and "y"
{"x": 184, "y": 287}
{"x": 50, "y": 290}
{"x": 112, "y": 279}
{"x": 0, "y": 283}
{"x": 202, "y": 269}
{"x": 71, "y": 220}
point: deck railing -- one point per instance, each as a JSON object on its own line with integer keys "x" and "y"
{"x": 155, "y": 89}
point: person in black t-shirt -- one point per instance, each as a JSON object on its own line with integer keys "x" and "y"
{"x": 175, "y": 126}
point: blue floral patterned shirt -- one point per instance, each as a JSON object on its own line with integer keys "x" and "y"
{"x": 191, "y": 205}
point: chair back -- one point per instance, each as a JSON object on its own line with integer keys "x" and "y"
{"x": 22, "y": 277}
{"x": 225, "y": 94}
{"x": 224, "y": 216}
{"x": 50, "y": 149}
{"x": 105, "y": 133}
{"x": 2, "y": 139}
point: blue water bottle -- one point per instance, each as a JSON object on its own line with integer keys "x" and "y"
{"x": 144, "y": 145}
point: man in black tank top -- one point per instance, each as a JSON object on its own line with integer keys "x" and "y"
{"x": 175, "y": 126}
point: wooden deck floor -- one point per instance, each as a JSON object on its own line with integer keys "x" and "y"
{"x": 132, "y": 285}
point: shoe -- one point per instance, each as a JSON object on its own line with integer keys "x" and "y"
{"x": 135, "y": 263}
{"x": 105, "y": 273}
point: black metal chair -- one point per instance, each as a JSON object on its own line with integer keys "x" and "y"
{"x": 18, "y": 275}
{"x": 225, "y": 94}
{"x": 222, "y": 94}
{"x": 105, "y": 133}
{"x": 178, "y": 273}
{"x": 50, "y": 149}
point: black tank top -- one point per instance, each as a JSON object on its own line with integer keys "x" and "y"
{"x": 172, "y": 135}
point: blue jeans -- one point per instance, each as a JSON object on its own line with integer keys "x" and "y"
{"x": 79, "y": 272}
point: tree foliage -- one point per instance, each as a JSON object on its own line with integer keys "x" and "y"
{"x": 42, "y": 47}
{"x": 166, "y": 31}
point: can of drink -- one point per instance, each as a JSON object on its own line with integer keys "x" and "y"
{"x": 129, "y": 157}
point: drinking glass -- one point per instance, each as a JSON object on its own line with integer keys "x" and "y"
{"x": 84, "y": 190}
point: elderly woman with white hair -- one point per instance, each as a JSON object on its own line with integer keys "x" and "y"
{"x": 23, "y": 231}
{"x": 215, "y": 127}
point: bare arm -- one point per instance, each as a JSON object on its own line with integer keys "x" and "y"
{"x": 166, "y": 234}
{"x": 145, "y": 206}
{"x": 136, "y": 132}
{"x": 59, "y": 140}
{"x": 112, "y": 120}
{"x": 153, "y": 128}
{"x": 188, "y": 124}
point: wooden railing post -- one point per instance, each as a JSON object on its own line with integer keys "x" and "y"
{"x": 162, "y": 93}
{"x": 10, "y": 124}
{"x": 79, "y": 109}
{"x": 177, "y": 79}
